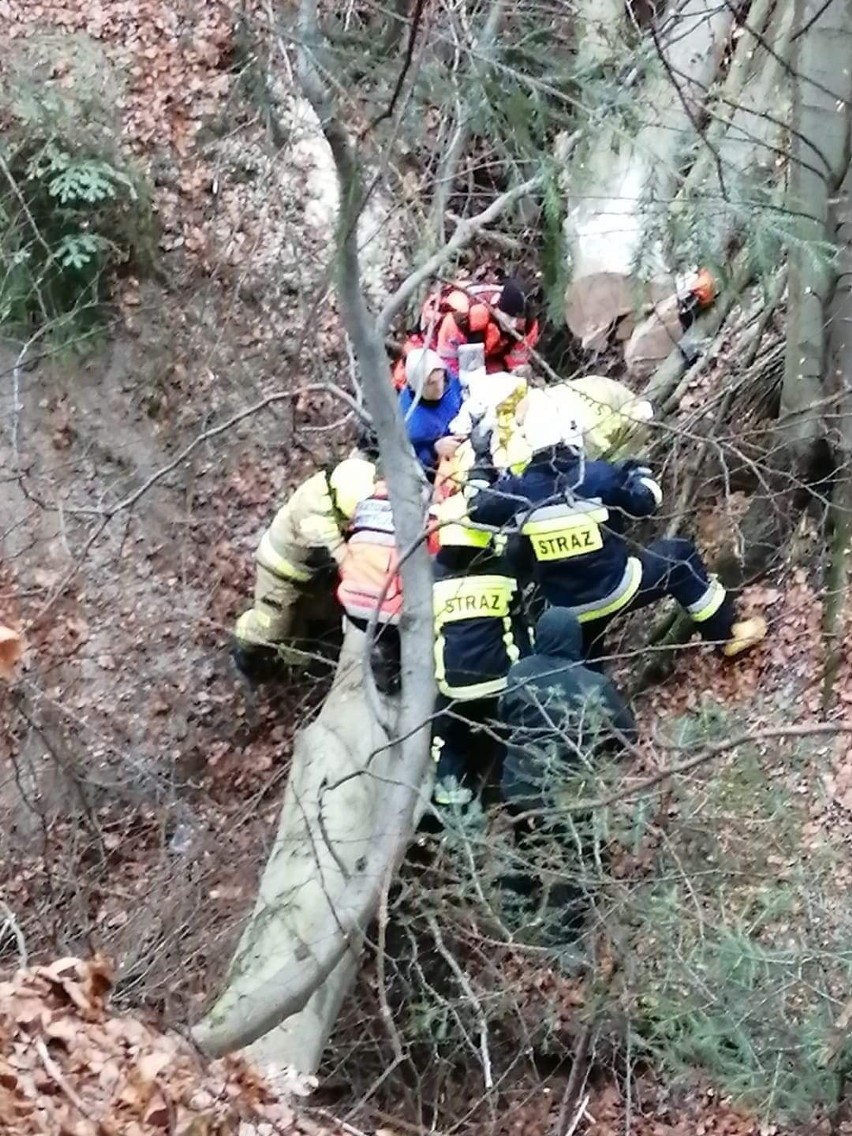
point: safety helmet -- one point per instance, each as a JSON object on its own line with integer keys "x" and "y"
{"x": 546, "y": 424}
{"x": 513, "y": 301}
{"x": 452, "y": 531}
{"x": 419, "y": 365}
{"x": 351, "y": 482}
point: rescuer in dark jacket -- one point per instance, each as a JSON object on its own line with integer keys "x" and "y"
{"x": 572, "y": 515}
{"x": 557, "y": 712}
{"x": 480, "y": 631}
{"x": 558, "y": 717}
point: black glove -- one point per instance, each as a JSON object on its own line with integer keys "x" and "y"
{"x": 635, "y": 465}
{"x": 480, "y": 441}
{"x": 255, "y": 663}
{"x": 481, "y": 476}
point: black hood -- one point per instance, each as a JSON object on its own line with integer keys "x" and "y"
{"x": 558, "y": 634}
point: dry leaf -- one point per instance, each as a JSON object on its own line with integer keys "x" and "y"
{"x": 11, "y": 651}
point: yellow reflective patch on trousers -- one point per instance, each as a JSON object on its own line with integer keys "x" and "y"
{"x": 564, "y": 537}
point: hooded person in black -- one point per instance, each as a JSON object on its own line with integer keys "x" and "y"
{"x": 557, "y": 711}
{"x": 557, "y": 715}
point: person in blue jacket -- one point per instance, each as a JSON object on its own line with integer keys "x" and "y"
{"x": 571, "y": 515}
{"x": 430, "y": 400}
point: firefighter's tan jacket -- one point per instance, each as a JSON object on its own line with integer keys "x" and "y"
{"x": 610, "y": 417}
{"x": 306, "y": 534}
{"x": 302, "y": 532}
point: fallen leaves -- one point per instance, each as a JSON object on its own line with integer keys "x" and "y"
{"x": 11, "y": 652}
{"x": 69, "y": 1067}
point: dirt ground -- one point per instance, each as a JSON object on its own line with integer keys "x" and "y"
{"x": 139, "y": 777}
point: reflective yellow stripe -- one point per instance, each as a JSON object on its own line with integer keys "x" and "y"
{"x": 472, "y": 597}
{"x": 560, "y": 532}
{"x": 626, "y": 591}
{"x": 274, "y": 562}
{"x": 708, "y": 604}
{"x": 478, "y": 690}
{"x": 462, "y": 536}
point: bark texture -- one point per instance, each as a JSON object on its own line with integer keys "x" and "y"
{"x": 620, "y": 189}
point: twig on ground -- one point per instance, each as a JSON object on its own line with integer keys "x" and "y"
{"x": 576, "y": 1083}
{"x": 10, "y": 923}
{"x": 55, "y": 1073}
{"x": 463, "y": 981}
{"x": 708, "y": 755}
{"x": 381, "y": 979}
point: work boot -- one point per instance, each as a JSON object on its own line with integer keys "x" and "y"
{"x": 256, "y": 663}
{"x": 745, "y": 634}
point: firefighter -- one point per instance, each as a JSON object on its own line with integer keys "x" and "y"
{"x": 572, "y": 514}
{"x": 611, "y": 418}
{"x": 306, "y": 537}
{"x": 499, "y": 317}
{"x": 480, "y": 632}
{"x": 430, "y": 401}
{"x": 557, "y": 713}
{"x": 369, "y": 583}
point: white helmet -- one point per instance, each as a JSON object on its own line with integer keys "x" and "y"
{"x": 547, "y": 425}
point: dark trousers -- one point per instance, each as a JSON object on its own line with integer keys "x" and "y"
{"x": 557, "y": 898}
{"x": 466, "y": 737}
{"x": 384, "y": 654}
{"x": 670, "y": 568}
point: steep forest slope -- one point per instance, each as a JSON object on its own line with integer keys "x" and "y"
{"x": 141, "y": 779}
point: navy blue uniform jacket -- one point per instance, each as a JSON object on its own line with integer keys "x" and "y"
{"x": 478, "y": 650}
{"x": 556, "y": 476}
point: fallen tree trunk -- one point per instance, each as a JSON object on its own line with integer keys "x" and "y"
{"x": 306, "y": 968}
{"x": 332, "y": 820}
{"x": 620, "y": 190}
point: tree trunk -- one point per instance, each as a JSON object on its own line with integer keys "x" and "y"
{"x": 743, "y": 145}
{"x": 310, "y": 967}
{"x": 819, "y": 156}
{"x": 332, "y": 815}
{"x": 599, "y": 29}
{"x": 839, "y": 382}
{"x": 819, "y": 160}
{"x": 624, "y": 186}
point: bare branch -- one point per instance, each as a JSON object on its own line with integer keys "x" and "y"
{"x": 465, "y": 232}
{"x": 708, "y": 755}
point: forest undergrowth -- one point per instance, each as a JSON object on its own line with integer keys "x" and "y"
{"x": 143, "y": 779}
